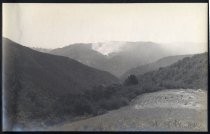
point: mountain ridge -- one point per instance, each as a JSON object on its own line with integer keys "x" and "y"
{"x": 130, "y": 55}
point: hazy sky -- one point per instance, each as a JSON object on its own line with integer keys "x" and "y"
{"x": 58, "y": 25}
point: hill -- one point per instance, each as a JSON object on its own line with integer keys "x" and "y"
{"x": 84, "y": 54}
{"x": 190, "y": 72}
{"x": 163, "y": 62}
{"x": 36, "y": 85}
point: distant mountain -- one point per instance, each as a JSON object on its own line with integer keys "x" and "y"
{"x": 36, "y": 84}
{"x": 84, "y": 54}
{"x": 133, "y": 54}
{"x": 163, "y": 62}
{"x": 190, "y": 72}
{"x": 127, "y": 55}
{"x": 183, "y": 48}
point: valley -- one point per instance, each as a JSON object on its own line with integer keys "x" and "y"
{"x": 116, "y": 62}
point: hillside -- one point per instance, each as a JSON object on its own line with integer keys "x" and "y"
{"x": 166, "y": 110}
{"x": 127, "y": 55}
{"x": 36, "y": 85}
{"x": 163, "y": 62}
{"x": 191, "y": 72}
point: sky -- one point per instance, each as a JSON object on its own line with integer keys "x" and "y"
{"x": 58, "y": 25}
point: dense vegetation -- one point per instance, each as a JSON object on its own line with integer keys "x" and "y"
{"x": 131, "y": 80}
{"x": 191, "y": 72}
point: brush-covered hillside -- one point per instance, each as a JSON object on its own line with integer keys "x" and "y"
{"x": 163, "y": 62}
{"x": 191, "y": 72}
{"x": 36, "y": 85}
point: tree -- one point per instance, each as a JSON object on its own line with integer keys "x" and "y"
{"x": 131, "y": 80}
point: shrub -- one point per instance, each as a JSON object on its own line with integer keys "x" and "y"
{"x": 131, "y": 80}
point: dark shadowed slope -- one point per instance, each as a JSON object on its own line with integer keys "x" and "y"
{"x": 34, "y": 82}
{"x": 166, "y": 61}
{"x": 191, "y": 72}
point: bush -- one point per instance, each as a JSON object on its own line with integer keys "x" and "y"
{"x": 131, "y": 80}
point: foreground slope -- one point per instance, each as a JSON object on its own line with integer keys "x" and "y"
{"x": 166, "y": 110}
{"x": 36, "y": 83}
{"x": 166, "y": 61}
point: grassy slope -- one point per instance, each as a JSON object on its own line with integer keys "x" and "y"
{"x": 151, "y": 112}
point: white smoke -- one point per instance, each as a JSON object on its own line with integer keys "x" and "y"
{"x": 108, "y": 47}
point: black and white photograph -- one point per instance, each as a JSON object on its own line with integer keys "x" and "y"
{"x": 105, "y": 67}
